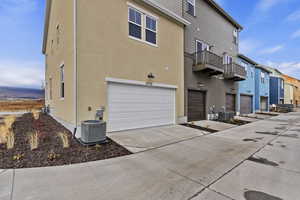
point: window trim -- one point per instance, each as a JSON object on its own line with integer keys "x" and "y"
{"x": 193, "y": 3}
{"x": 62, "y": 81}
{"x": 144, "y": 15}
{"x": 203, "y": 44}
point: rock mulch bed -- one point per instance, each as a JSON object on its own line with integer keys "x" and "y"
{"x": 50, "y": 145}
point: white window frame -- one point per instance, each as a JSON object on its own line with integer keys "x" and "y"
{"x": 62, "y": 87}
{"x": 235, "y": 36}
{"x": 193, "y": 3}
{"x": 227, "y": 58}
{"x": 144, "y": 15}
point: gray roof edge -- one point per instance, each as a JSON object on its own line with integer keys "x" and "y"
{"x": 247, "y": 59}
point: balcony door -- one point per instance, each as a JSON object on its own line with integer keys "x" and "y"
{"x": 201, "y": 46}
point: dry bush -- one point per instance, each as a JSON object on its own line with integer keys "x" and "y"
{"x": 9, "y": 120}
{"x": 3, "y": 134}
{"x": 36, "y": 114}
{"x": 33, "y": 140}
{"x": 65, "y": 139}
{"x": 10, "y": 140}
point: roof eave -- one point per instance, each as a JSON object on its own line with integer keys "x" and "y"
{"x": 247, "y": 59}
{"x": 46, "y": 25}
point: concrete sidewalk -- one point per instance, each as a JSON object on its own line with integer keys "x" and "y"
{"x": 258, "y": 160}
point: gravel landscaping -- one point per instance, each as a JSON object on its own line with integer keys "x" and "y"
{"x": 39, "y": 141}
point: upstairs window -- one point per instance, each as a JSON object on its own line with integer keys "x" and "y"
{"x": 235, "y": 36}
{"x": 262, "y": 76}
{"x": 281, "y": 84}
{"x": 135, "y": 23}
{"x": 150, "y": 30}
{"x": 191, "y": 7}
{"x": 62, "y": 81}
{"x": 142, "y": 26}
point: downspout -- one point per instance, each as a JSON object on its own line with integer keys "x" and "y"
{"x": 75, "y": 65}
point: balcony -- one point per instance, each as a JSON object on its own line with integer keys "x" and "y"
{"x": 208, "y": 62}
{"x": 235, "y": 72}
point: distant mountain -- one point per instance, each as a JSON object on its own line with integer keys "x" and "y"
{"x": 20, "y": 93}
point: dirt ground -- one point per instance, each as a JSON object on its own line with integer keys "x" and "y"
{"x": 21, "y": 105}
{"x": 52, "y": 148}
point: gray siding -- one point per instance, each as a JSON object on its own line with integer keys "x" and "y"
{"x": 210, "y": 27}
{"x": 173, "y": 5}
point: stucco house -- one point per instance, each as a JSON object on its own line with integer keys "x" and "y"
{"x": 291, "y": 90}
{"x": 130, "y": 63}
{"x": 246, "y": 88}
{"x": 276, "y": 86}
{"x": 262, "y": 88}
{"x": 211, "y": 66}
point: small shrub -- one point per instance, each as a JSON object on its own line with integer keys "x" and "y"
{"x": 53, "y": 156}
{"x": 3, "y": 134}
{"x": 10, "y": 140}
{"x": 36, "y": 115}
{"x": 33, "y": 140}
{"x": 9, "y": 120}
{"x": 65, "y": 139}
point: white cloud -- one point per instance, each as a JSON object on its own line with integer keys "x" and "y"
{"x": 294, "y": 16}
{"x": 249, "y": 45}
{"x": 21, "y": 74}
{"x": 265, "y": 5}
{"x": 296, "y": 34}
{"x": 272, "y": 50}
{"x": 289, "y": 68}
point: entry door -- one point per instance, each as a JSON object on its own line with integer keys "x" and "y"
{"x": 137, "y": 106}
{"x": 230, "y": 102}
{"x": 264, "y": 103}
{"x": 196, "y": 105}
{"x": 246, "y": 104}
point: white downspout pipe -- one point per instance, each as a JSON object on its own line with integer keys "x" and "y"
{"x": 75, "y": 64}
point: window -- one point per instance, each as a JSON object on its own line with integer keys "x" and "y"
{"x": 262, "y": 75}
{"x": 62, "y": 81}
{"x": 150, "y": 30}
{"x": 135, "y": 23}
{"x": 50, "y": 88}
{"x": 227, "y": 59}
{"x": 142, "y": 26}
{"x": 201, "y": 46}
{"x": 235, "y": 36}
{"x": 191, "y": 7}
{"x": 281, "y": 84}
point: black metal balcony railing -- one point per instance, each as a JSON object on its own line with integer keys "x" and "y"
{"x": 208, "y": 61}
{"x": 235, "y": 71}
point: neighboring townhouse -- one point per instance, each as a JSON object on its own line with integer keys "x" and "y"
{"x": 276, "y": 86}
{"x": 246, "y": 88}
{"x": 211, "y": 69}
{"x": 129, "y": 63}
{"x": 262, "y": 88}
{"x": 291, "y": 90}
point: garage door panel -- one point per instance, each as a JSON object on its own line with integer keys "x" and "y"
{"x": 246, "y": 104}
{"x": 134, "y": 106}
{"x": 230, "y": 102}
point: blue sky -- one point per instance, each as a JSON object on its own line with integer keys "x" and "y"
{"x": 271, "y": 36}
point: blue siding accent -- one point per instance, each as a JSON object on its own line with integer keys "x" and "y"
{"x": 262, "y": 89}
{"x": 246, "y": 87}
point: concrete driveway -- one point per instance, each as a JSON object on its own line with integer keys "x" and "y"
{"x": 149, "y": 138}
{"x": 243, "y": 163}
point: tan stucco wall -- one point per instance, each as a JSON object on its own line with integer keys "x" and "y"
{"x": 59, "y": 53}
{"x": 291, "y": 90}
{"x": 105, "y": 50}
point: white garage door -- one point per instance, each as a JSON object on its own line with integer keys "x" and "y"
{"x": 135, "y": 106}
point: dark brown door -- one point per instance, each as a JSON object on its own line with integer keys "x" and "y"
{"x": 196, "y": 105}
{"x": 246, "y": 104}
{"x": 230, "y": 102}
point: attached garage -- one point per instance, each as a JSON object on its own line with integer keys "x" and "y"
{"x": 246, "y": 104}
{"x": 138, "y": 106}
{"x": 196, "y": 105}
{"x": 230, "y": 102}
{"x": 264, "y": 103}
